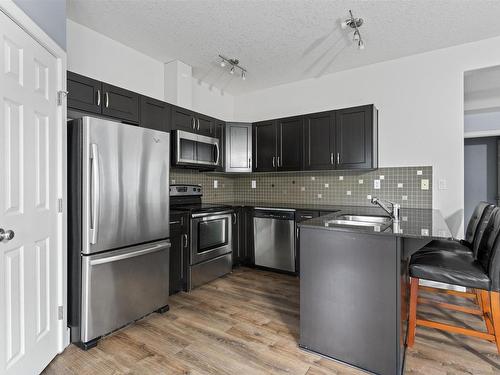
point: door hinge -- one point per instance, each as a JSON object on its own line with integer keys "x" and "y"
{"x": 60, "y": 95}
{"x": 60, "y": 205}
{"x": 60, "y": 313}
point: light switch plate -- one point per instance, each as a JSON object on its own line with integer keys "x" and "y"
{"x": 376, "y": 184}
{"x": 254, "y": 184}
{"x": 216, "y": 184}
{"x": 424, "y": 184}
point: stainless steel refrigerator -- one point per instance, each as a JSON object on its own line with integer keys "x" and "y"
{"x": 118, "y": 230}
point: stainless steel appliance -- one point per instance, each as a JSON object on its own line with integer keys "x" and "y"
{"x": 118, "y": 247}
{"x": 211, "y": 247}
{"x": 274, "y": 239}
{"x": 195, "y": 150}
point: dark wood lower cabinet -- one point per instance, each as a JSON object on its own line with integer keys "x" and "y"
{"x": 179, "y": 239}
{"x": 243, "y": 253}
{"x": 299, "y": 217}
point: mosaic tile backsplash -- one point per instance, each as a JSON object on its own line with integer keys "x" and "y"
{"x": 402, "y": 185}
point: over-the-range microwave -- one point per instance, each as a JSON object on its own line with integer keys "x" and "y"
{"x": 195, "y": 150}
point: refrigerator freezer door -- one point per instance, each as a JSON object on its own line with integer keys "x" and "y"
{"x": 125, "y": 185}
{"x": 121, "y": 286}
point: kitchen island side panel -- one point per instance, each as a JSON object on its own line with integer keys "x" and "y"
{"x": 349, "y": 303}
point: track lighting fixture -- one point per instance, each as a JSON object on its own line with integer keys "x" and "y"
{"x": 234, "y": 64}
{"x": 354, "y": 23}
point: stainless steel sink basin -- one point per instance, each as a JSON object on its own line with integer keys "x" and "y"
{"x": 376, "y": 222}
{"x": 366, "y": 218}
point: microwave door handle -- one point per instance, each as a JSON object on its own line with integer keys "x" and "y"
{"x": 217, "y": 154}
{"x": 94, "y": 192}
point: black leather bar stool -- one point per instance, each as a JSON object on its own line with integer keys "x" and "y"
{"x": 481, "y": 274}
{"x": 473, "y": 234}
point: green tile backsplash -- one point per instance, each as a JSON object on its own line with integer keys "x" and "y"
{"x": 399, "y": 184}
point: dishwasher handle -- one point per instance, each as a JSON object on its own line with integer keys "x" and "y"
{"x": 278, "y": 215}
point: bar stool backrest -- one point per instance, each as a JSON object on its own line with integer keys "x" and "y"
{"x": 488, "y": 210}
{"x": 489, "y": 240}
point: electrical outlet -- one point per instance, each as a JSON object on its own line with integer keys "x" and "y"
{"x": 216, "y": 184}
{"x": 419, "y": 173}
{"x": 327, "y": 185}
{"x": 400, "y": 185}
{"x": 382, "y": 177}
{"x": 443, "y": 185}
{"x": 254, "y": 184}
{"x": 376, "y": 184}
{"x": 360, "y": 182}
{"x": 341, "y": 178}
{"x": 424, "y": 184}
{"x": 369, "y": 197}
{"x": 348, "y": 192}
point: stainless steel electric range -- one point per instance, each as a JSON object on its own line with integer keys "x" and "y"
{"x": 211, "y": 252}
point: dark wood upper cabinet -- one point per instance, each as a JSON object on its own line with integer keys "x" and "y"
{"x": 84, "y": 93}
{"x": 120, "y": 103}
{"x": 356, "y": 138}
{"x": 205, "y": 125}
{"x": 290, "y": 143}
{"x": 183, "y": 119}
{"x": 264, "y": 146}
{"x": 319, "y": 150}
{"x": 155, "y": 114}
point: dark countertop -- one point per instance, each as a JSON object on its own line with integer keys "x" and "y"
{"x": 305, "y": 207}
{"x": 415, "y": 223}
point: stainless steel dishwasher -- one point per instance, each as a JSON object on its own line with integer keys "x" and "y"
{"x": 274, "y": 239}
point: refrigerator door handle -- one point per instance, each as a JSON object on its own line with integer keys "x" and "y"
{"x": 94, "y": 193}
{"x": 132, "y": 254}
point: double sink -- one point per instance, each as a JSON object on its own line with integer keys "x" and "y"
{"x": 378, "y": 223}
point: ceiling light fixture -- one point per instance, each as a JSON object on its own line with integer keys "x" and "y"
{"x": 354, "y": 23}
{"x": 234, "y": 64}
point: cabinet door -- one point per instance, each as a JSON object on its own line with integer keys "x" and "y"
{"x": 183, "y": 119}
{"x": 120, "y": 103}
{"x": 247, "y": 244}
{"x": 178, "y": 252}
{"x": 238, "y": 148}
{"x": 219, "y": 133}
{"x": 354, "y": 137}
{"x": 236, "y": 236}
{"x": 290, "y": 144}
{"x": 84, "y": 93}
{"x": 205, "y": 125}
{"x": 301, "y": 216}
{"x": 319, "y": 141}
{"x": 264, "y": 146}
{"x": 155, "y": 114}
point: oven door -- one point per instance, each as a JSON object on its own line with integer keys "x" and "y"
{"x": 195, "y": 150}
{"x": 211, "y": 236}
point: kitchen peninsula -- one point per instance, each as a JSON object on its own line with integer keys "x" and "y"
{"x": 354, "y": 283}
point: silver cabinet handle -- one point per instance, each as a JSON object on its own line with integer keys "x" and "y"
{"x": 338, "y": 158}
{"x": 274, "y": 161}
{"x": 279, "y": 161}
{"x": 98, "y": 97}
{"x": 185, "y": 240}
{"x": 216, "y": 154}
{"x": 198, "y": 128}
{"x": 106, "y": 99}
{"x": 175, "y": 222}
{"x": 193, "y": 123}
{"x": 331, "y": 158}
{"x": 6, "y": 235}
{"x": 249, "y": 162}
{"x": 297, "y": 232}
{"x": 307, "y": 217}
{"x": 94, "y": 192}
{"x": 234, "y": 217}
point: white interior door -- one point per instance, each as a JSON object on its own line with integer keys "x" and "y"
{"x": 29, "y": 331}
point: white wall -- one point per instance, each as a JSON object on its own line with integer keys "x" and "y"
{"x": 97, "y": 56}
{"x": 421, "y": 109}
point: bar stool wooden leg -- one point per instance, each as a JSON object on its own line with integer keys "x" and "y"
{"x": 495, "y": 316}
{"x": 486, "y": 308}
{"x": 412, "y": 323}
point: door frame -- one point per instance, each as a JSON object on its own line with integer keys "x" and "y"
{"x": 9, "y": 8}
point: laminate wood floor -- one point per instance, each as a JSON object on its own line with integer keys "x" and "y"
{"x": 248, "y": 323}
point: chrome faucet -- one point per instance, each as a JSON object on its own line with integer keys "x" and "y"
{"x": 394, "y": 211}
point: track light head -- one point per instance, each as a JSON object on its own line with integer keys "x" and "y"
{"x": 222, "y": 64}
{"x": 243, "y": 75}
{"x": 361, "y": 45}
{"x": 232, "y": 70}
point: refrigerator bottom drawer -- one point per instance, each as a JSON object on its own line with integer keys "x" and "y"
{"x": 212, "y": 269}
{"x": 121, "y": 286}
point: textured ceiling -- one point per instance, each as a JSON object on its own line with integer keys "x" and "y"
{"x": 284, "y": 41}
